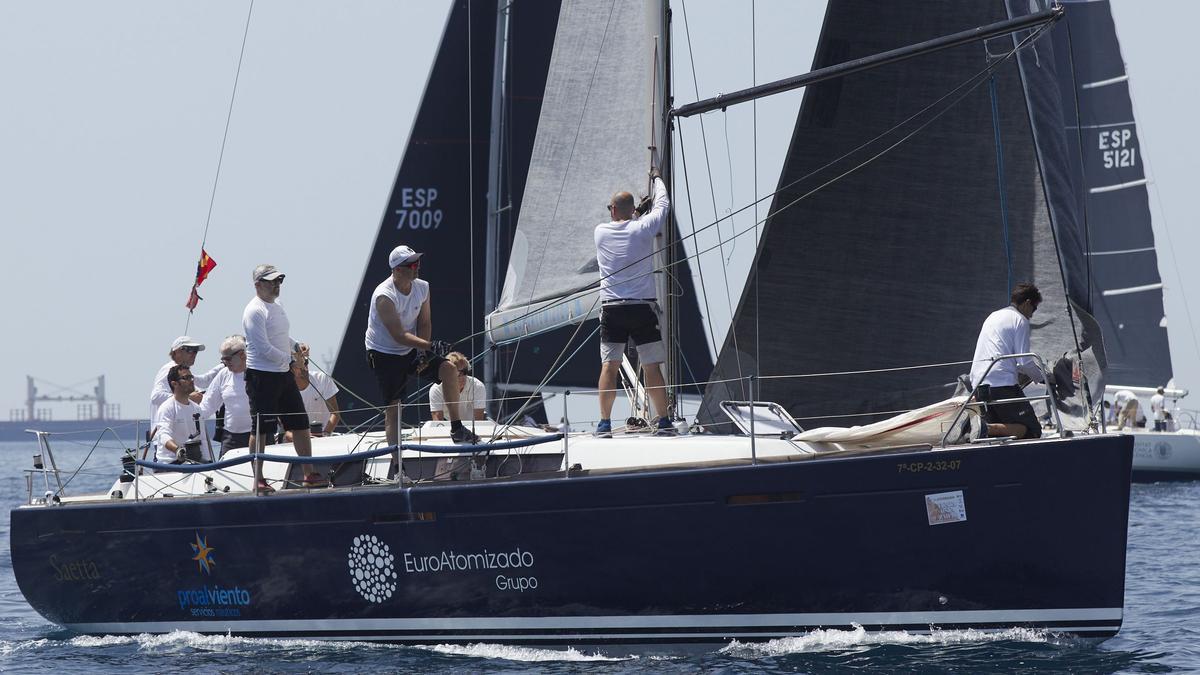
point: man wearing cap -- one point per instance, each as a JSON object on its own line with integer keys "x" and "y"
{"x": 629, "y": 308}
{"x": 398, "y": 343}
{"x": 183, "y": 353}
{"x": 270, "y": 386}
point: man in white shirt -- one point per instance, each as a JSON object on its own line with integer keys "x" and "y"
{"x": 319, "y": 393}
{"x": 1006, "y": 331}
{"x": 471, "y": 403}
{"x": 629, "y": 309}
{"x": 399, "y": 327}
{"x": 1125, "y": 409}
{"x": 270, "y": 386}
{"x": 228, "y": 389}
{"x": 177, "y": 420}
{"x": 183, "y": 353}
{"x": 1158, "y": 409}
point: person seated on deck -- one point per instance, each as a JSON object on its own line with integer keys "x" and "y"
{"x": 320, "y": 399}
{"x": 228, "y": 390}
{"x": 177, "y": 420}
{"x": 1006, "y": 331}
{"x": 471, "y": 403}
{"x": 183, "y": 353}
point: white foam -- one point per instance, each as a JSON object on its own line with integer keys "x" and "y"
{"x": 514, "y": 653}
{"x": 7, "y": 648}
{"x": 838, "y": 640}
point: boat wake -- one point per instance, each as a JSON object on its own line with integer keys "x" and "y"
{"x": 514, "y": 653}
{"x": 834, "y": 640}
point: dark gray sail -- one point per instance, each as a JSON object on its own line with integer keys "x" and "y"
{"x": 898, "y": 263}
{"x": 1105, "y": 152}
{"x": 430, "y": 207}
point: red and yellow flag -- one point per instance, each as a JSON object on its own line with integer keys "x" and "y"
{"x": 203, "y": 267}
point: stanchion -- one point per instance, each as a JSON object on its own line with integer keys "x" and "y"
{"x": 753, "y": 446}
{"x": 566, "y": 425}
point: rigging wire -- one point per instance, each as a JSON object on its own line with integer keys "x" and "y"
{"x": 471, "y": 169}
{"x": 224, "y": 138}
{"x": 754, "y": 134}
{"x": 957, "y": 93}
{"x": 711, "y": 191}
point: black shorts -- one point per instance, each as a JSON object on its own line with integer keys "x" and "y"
{"x": 1012, "y": 413}
{"x": 392, "y": 371}
{"x": 620, "y": 322}
{"x": 274, "y": 395}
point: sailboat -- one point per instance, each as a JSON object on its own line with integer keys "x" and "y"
{"x": 555, "y": 538}
{"x": 1122, "y": 256}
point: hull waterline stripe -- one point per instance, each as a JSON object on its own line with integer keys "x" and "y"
{"x": 695, "y": 622}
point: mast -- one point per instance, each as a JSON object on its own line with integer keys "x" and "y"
{"x": 495, "y": 185}
{"x": 666, "y": 155}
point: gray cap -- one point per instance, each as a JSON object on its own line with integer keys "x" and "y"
{"x": 185, "y": 341}
{"x": 266, "y": 273}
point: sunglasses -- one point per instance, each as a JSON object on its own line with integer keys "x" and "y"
{"x": 229, "y": 357}
{"x": 191, "y": 350}
{"x": 188, "y": 378}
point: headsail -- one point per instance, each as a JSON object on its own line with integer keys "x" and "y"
{"x": 897, "y": 264}
{"x": 1105, "y": 150}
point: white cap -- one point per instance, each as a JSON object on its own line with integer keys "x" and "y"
{"x": 266, "y": 273}
{"x": 185, "y": 341}
{"x": 403, "y": 255}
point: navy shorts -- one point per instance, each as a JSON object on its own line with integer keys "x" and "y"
{"x": 274, "y": 395}
{"x": 1012, "y": 413}
{"x": 392, "y": 371}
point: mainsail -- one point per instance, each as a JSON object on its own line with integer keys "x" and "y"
{"x": 896, "y": 264}
{"x": 601, "y": 129}
{"x": 1106, "y": 153}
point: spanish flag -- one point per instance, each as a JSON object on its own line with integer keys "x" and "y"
{"x": 203, "y": 267}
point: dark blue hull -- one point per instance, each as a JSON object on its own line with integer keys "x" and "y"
{"x": 700, "y": 555}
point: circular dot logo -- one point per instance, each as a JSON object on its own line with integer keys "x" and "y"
{"x": 372, "y": 568}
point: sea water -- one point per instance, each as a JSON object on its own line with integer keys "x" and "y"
{"x": 1161, "y": 630}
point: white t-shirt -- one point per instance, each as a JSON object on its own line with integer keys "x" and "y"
{"x": 409, "y": 307}
{"x": 1005, "y": 331}
{"x": 623, "y": 251}
{"x": 161, "y": 391}
{"x": 1121, "y": 399}
{"x": 268, "y": 345}
{"x": 1158, "y": 407}
{"x": 320, "y": 389}
{"x": 228, "y": 389}
{"x": 175, "y": 422}
{"x": 470, "y": 399}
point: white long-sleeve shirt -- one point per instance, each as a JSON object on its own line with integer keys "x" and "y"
{"x": 268, "y": 344}
{"x": 1005, "y": 331}
{"x": 228, "y": 389}
{"x": 161, "y": 391}
{"x": 175, "y": 422}
{"x": 623, "y": 251}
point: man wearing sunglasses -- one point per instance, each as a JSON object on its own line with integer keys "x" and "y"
{"x": 1006, "y": 331}
{"x": 183, "y": 353}
{"x": 270, "y": 386}
{"x": 629, "y": 309}
{"x": 228, "y": 389}
{"x": 399, "y": 328}
{"x": 176, "y": 420}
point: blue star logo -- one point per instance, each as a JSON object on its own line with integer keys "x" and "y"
{"x": 203, "y": 554}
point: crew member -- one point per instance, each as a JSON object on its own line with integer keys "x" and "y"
{"x": 1006, "y": 331}
{"x": 1125, "y": 408}
{"x": 624, "y": 253}
{"x": 471, "y": 402}
{"x": 320, "y": 399}
{"x": 399, "y": 327}
{"x": 1158, "y": 409}
{"x": 269, "y": 384}
{"x": 177, "y": 420}
{"x": 228, "y": 389}
{"x": 183, "y": 353}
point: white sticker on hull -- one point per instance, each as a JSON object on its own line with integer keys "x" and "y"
{"x": 372, "y": 568}
{"x": 945, "y": 507}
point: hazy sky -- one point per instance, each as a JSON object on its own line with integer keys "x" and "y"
{"x": 112, "y": 126}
